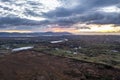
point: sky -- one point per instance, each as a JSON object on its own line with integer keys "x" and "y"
{"x": 75, "y": 16}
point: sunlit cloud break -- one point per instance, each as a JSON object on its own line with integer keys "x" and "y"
{"x": 28, "y": 9}
{"x": 110, "y": 9}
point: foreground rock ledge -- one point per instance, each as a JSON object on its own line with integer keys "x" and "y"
{"x": 31, "y": 65}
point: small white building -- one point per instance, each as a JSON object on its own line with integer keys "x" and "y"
{"x": 114, "y": 51}
{"x": 53, "y": 42}
{"x": 59, "y": 41}
{"x": 22, "y": 48}
{"x": 75, "y": 53}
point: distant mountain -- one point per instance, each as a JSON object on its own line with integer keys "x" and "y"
{"x": 5, "y": 34}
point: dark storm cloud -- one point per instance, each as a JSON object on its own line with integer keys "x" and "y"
{"x": 14, "y": 21}
{"x": 66, "y": 15}
{"x": 5, "y": 0}
{"x": 59, "y": 12}
{"x": 84, "y": 6}
{"x": 99, "y": 3}
{"x": 8, "y": 22}
{"x": 99, "y": 18}
{"x": 88, "y": 10}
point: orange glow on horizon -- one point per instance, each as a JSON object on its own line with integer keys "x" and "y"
{"x": 71, "y": 30}
{"x": 107, "y": 28}
{"x": 76, "y": 29}
{"x": 104, "y": 28}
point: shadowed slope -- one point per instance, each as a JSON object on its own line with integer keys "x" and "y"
{"x": 31, "y": 65}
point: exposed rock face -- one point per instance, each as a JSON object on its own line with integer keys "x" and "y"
{"x": 31, "y": 65}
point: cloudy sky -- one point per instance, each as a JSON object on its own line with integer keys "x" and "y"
{"x": 75, "y": 16}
